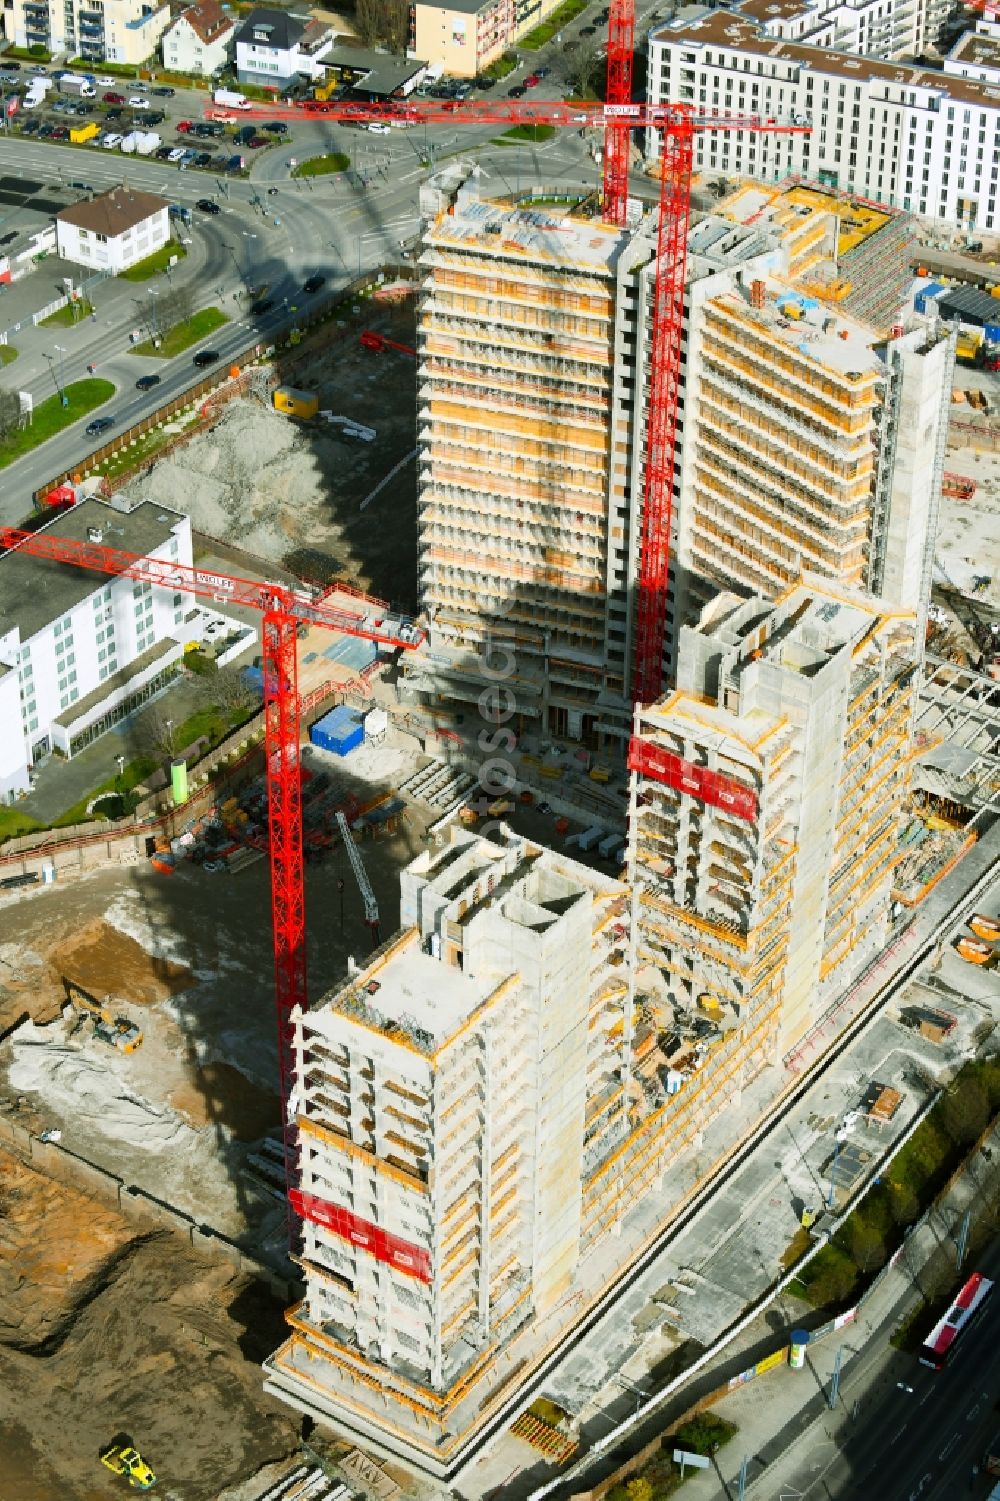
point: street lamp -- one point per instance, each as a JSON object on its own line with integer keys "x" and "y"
{"x": 62, "y": 368}
{"x": 154, "y": 293}
{"x": 170, "y": 737}
{"x": 63, "y": 400}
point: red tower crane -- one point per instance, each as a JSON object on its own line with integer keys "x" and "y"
{"x": 618, "y": 116}
{"x": 283, "y": 610}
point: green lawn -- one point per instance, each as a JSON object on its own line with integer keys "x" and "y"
{"x": 525, "y": 133}
{"x": 547, "y": 30}
{"x": 502, "y": 67}
{"x": 153, "y": 264}
{"x": 13, "y": 823}
{"x": 50, "y": 417}
{"x": 7, "y": 354}
{"x": 66, "y": 317}
{"x": 135, "y": 772}
{"x": 320, "y": 166}
{"x": 184, "y": 335}
{"x": 30, "y": 54}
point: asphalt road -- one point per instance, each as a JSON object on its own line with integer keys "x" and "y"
{"x": 924, "y": 1445}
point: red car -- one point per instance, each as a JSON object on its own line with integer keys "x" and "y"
{"x": 184, "y": 125}
{"x": 532, "y": 81}
{"x": 114, "y": 98}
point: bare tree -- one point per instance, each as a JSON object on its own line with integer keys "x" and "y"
{"x": 175, "y": 307}
{"x": 583, "y": 69}
{"x": 233, "y": 692}
{"x": 385, "y": 21}
{"x": 10, "y": 413}
{"x": 157, "y": 732}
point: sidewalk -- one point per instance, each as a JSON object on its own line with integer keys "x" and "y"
{"x": 777, "y": 1411}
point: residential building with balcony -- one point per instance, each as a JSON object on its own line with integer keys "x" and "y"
{"x": 920, "y": 139}
{"x": 462, "y": 37}
{"x": 116, "y": 31}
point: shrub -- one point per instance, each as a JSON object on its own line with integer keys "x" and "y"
{"x": 965, "y": 1110}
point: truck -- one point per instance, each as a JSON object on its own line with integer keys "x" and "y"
{"x": 230, "y": 100}
{"x": 80, "y": 133}
{"x": 148, "y": 142}
{"x": 72, "y": 83}
{"x": 129, "y": 142}
{"x": 967, "y": 346}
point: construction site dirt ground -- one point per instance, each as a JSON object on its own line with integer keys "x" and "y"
{"x": 104, "y": 1327}
{"x": 105, "y": 1330}
{"x": 290, "y": 491}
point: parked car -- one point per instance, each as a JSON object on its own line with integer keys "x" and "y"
{"x": 112, "y": 98}
{"x": 147, "y": 382}
{"x": 46, "y": 130}
{"x": 486, "y": 84}
{"x": 206, "y": 357}
{"x": 136, "y": 101}
{"x": 112, "y": 141}
{"x": 256, "y": 142}
{"x": 99, "y": 425}
{"x": 175, "y": 153}
{"x": 517, "y": 92}
{"x": 29, "y": 127}
{"x": 183, "y": 126}
{"x": 314, "y": 283}
{"x": 542, "y": 72}
{"x": 532, "y": 81}
{"x": 10, "y": 65}
{"x": 105, "y": 83}
{"x": 276, "y": 128}
{"x": 165, "y": 92}
{"x": 587, "y": 30}
{"x": 162, "y": 153}
{"x": 234, "y": 164}
{"x": 188, "y": 158}
{"x": 82, "y": 187}
{"x": 114, "y": 114}
{"x": 203, "y": 159}
{"x": 61, "y": 133}
{"x": 261, "y": 306}
{"x": 155, "y": 117}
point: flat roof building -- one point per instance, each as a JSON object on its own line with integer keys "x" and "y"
{"x": 79, "y": 650}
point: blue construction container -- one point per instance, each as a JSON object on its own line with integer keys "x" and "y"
{"x": 927, "y": 295}
{"x": 992, "y": 333}
{"x": 339, "y": 731}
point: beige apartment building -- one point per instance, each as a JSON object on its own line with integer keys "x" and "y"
{"x": 114, "y": 31}
{"x": 462, "y": 37}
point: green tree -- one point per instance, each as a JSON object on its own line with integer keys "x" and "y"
{"x": 835, "y": 1280}
{"x": 904, "y": 1204}
{"x": 867, "y": 1245}
{"x": 965, "y": 1111}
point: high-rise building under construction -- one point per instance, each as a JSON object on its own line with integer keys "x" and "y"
{"x": 809, "y": 438}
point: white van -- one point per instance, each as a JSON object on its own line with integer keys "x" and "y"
{"x": 232, "y": 100}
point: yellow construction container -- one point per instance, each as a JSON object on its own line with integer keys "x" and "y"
{"x": 81, "y": 133}
{"x": 967, "y": 346}
{"x": 304, "y": 404}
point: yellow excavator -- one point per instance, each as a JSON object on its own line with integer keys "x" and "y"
{"x": 117, "y": 1031}
{"x": 122, "y": 1459}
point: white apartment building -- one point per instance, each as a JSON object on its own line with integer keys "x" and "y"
{"x": 113, "y": 230}
{"x": 200, "y": 40}
{"x": 876, "y": 28}
{"x": 79, "y": 652}
{"x": 922, "y": 140}
{"x": 448, "y": 1101}
{"x": 114, "y": 31}
{"x": 808, "y": 437}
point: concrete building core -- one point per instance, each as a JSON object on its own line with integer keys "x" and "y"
{"x": 810, "y": 437}
{"x": 766, "y": 801}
